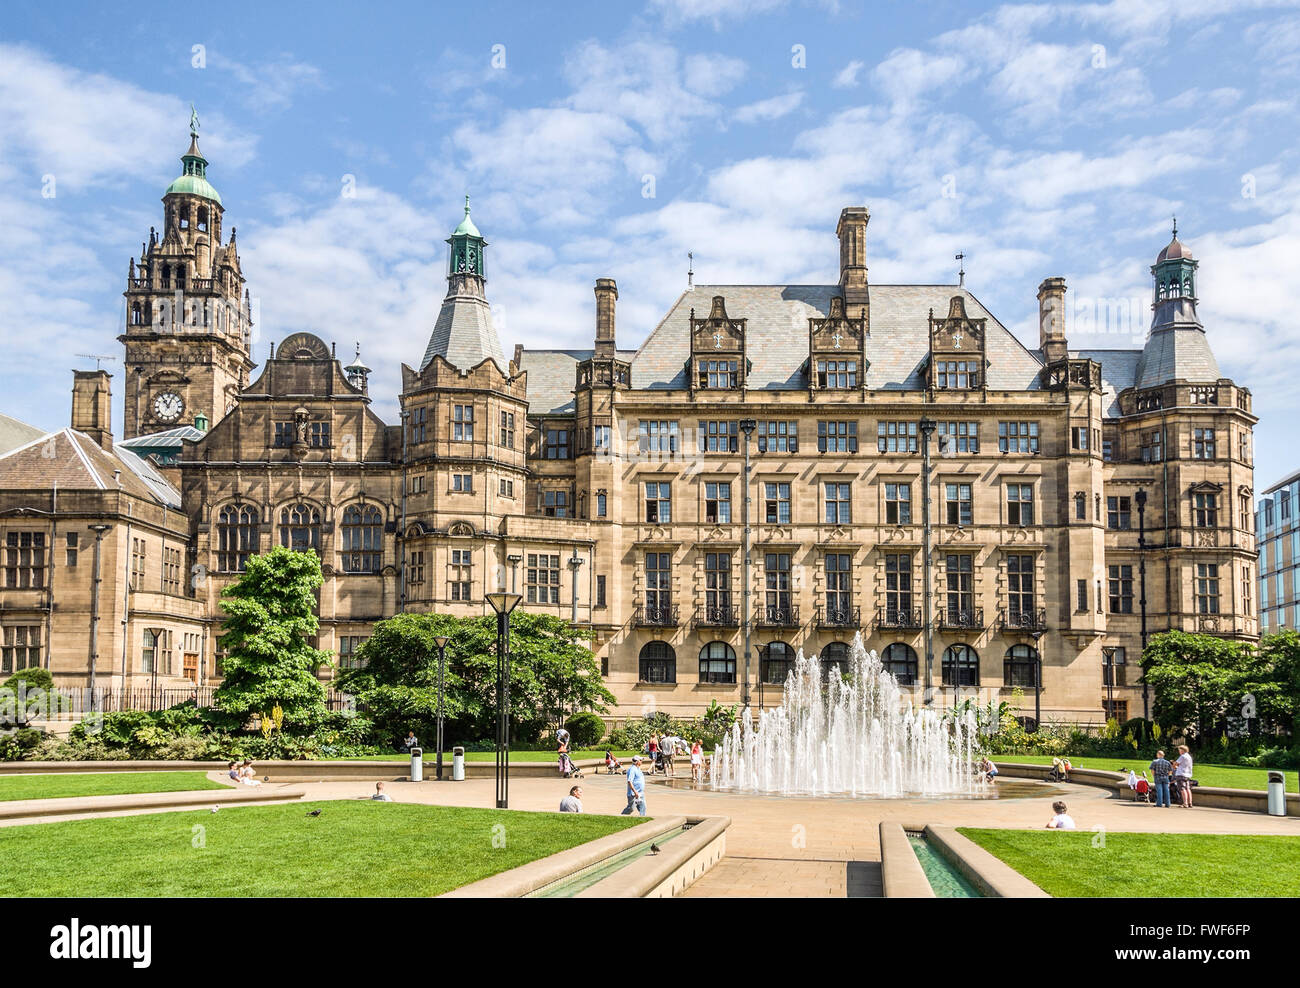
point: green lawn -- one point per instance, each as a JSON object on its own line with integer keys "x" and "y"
{"x": 1225, "y": 776}
{"x": 354, "y": 848}
{"x": 1065, "y": 863}
{"x": 490, "y": 756}
{"x": 59, "y": 785}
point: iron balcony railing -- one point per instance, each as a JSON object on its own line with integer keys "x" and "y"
{"x": 838, "y": 616}
{"x": 777, "y": 616}
{"x": 899, "y": 617}
{"x": 1031, "y": 620}
{"x": 952, "y": 619}
{"x": 659, "y": 616}
{"x": 717, "y": 616}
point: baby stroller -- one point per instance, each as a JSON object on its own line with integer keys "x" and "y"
{"x": 612, "y": 764}
{"x": 1142, "y": 791}
{"x": 567, "y": 769}
{"x": 1060, "y": 771}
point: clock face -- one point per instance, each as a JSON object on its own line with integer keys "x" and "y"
{"x": 168, "y": 406}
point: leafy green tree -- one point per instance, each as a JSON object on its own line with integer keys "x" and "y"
{"x": 1282, "y": 652}
{"x": 1201, "y": 683}
{"x": 397, "y": 683}
{"x": 269, "y": 623}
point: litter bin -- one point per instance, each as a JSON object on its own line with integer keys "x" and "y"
{"x": 1276, "y": 794}
{"x": 417, "y": 764}
{"x": 457, "y": 764}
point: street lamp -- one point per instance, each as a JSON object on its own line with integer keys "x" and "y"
{"x": 927, "y": 427}
{"x": 759, "y": 650}
{"x": 575, "y": 563}
{"x": 1141, "y": 499}
{"x": 1109, "y": 652}
{"x": 100, "y": 531}
{"x": 441, "y": 642}
{"x": 747, "y": 426}
{"x": 157, "y": 634}
{"x": 1038, "y": 679}
{"x": 503, "y": 603}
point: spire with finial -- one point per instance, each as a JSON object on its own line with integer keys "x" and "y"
{"x": 1175, "y": 226}
{"x": 690, "y": 270}
{"x": 960, "y": 258}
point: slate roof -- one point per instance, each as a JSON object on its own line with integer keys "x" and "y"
{"x": 72, "y": 460}
{"x": 1118, "y": 371}
{"x": 464, "y": 334}
{"x": 551, "y": 377}
{"x": 777, "y": 336}
{"x": 15, "y": 433}
{"x": 1177, "y": 352}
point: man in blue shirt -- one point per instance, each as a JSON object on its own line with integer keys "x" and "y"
{"x": 635, "y": 788}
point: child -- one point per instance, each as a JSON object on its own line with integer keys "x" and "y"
{"x": 1062, "y": 820}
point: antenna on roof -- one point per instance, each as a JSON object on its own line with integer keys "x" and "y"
{"x": 690, "y": 271}
{"x": 961, "y": 272}
{"x": 98, "y": 358}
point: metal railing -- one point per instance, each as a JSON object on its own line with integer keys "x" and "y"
{"x": 717, "y": 616}
{"x": 829, "y": 616}
{"x": 952, "y": 619}
{"x": 660, "y": 616}
{"x": 899, "y": 617}
{"x": 1017, "y": 620}
{"x": 777, "y": 616}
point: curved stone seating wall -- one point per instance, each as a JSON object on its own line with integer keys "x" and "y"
{"x": 21, "y": 809}
{"x": 1249, "y": 800}
{"x": 293, "y": 771}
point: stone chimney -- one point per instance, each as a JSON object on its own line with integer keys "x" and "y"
{"x": 1051, "y": 320}
{"x": 852, "y": 231}
{"x": 92, "y": 406}
{"x": 606, "y": 297}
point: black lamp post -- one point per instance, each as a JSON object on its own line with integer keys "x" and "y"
{"x": 758, "y": 650}
{"x": 1109, "y": 652}
{"x": 503, "y": 603}
{"x": 1141, "y": 499}
{"x": 747, "y": 426}
{"x": 927, "y": 427}
{"x": 441, "y": 642}
{"x": 1038, "y": 679}
{"x": 157, "y": 654}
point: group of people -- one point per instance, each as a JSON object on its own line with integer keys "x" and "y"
{"x": 242, "y": 772}
{"x": 572, "y": 803}
{"x": 1164, "y": 775}
{"x": 664, "y": 750}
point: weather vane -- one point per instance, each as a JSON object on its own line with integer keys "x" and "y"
{"x": 961, "y": 271}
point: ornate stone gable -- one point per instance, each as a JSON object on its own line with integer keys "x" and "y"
{"x": 718, "y": 358}
{"x": 957, "y": 360}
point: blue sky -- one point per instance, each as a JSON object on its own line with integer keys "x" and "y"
{"x": 608, "y": 139}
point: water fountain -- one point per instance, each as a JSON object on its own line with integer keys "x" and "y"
{"x": 847, "y": 733}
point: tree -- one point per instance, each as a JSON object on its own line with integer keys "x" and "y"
{"x": 1203, "y": 684}
{"x": 398, "y": 679}
{"x": 269, "y": 660}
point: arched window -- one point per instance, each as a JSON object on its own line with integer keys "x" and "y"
{"x": 835, "y": 654}
{"x": 166, "y": 276}
{"x": 1020, "y": 666}
{"x": 658, "y": 663}
{"x": 236, "y": 537}
{"x": 300, "y": 528}
{"x": 203, "y": 220}
{"x": 363, "y": 545}
{"x": 717, "y": 663}
{"x": 961, "y": 666}
{"x": 899, "y": 661}
{"x": 776, "y": 662}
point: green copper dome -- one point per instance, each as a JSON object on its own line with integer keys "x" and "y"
{"x": 467, "y": 227}
{"x": 193, "y": 180}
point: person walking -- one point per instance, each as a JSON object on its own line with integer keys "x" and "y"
{"x": 1160, "y": 770}
{"x": 635, "y": 788}
{"x": 697, "y": 761}
{"x": 1183, "y": 776}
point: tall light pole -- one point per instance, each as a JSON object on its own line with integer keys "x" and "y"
{"x": 575, "y": 563}
{"x": 157, "y": 651}
{"x": 1109, "y": 652}
{"x": 927, "y": 427}
{"x": 747, "y": 426}
{"x": 1141, "y": 499}
{"x": 1038, "y": 679}
{"x": 503, "y": 603}
{"x": 401, "y": 562}
{"x": 100, "y": 531}
{"x": 441, "y": 642}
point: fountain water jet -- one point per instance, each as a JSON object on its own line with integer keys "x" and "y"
{"x": 853, "y": 734}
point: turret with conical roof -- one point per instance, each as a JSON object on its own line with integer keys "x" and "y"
{"x": 464, "y": 334}
{"x": 1176, "y": 347}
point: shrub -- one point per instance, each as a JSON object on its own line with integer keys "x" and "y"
{"x": 585, "y": 729}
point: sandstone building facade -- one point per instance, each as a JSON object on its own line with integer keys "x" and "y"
{"x": 751, "y": 480}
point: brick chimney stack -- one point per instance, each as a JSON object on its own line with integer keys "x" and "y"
{"x": 1051, "y": 320}
{"x": 606, "y": 298}
{"x": 852, "y": 231}
{"x": 92, "y": 406}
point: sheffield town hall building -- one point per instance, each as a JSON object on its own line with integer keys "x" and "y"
{"x": 750, "y": 472}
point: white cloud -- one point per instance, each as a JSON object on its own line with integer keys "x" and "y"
{"x": 273, "y": 83}
{"x": 908, "y": 74}
{"x": 847, "y": 77}
{"x": 718, "y": 11}
{"x": 769, "y": 109}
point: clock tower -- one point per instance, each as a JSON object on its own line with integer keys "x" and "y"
{"x": 188, "y": 320}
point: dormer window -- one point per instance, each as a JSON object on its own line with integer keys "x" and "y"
{"x": 958, "y": 374}
{"x": 718, "y": 374}
{"x": 837, "y": 373}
